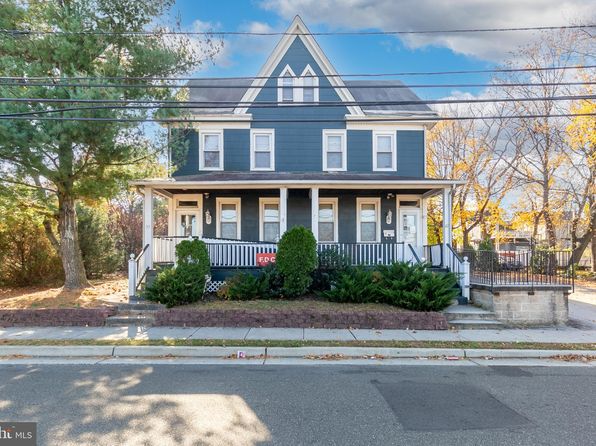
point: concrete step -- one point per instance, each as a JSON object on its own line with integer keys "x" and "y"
{"x": 468, "y": 312}
{"x": 140, "y": 306}
{"x": 124, "y": 320}
{"x": 480, "y": 324}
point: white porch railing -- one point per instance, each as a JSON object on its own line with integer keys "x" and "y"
{"x": 232, "y": 253}
{"x": 433, "y": 254}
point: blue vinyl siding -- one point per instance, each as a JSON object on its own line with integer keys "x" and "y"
{"x": 185, "y": 155}
{"x": 359, "y": 150}
{"x": 298, "y": 146}
{"x": 410, "y": 153}
{"x": 237, "y": 149}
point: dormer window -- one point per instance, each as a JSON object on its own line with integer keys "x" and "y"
{"x": 310, "y": 84}
{"x": 285, "y": 83}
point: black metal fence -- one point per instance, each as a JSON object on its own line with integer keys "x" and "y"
{"x": 527, "y": 268}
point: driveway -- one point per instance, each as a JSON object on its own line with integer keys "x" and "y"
{"x": 582, "y": 306}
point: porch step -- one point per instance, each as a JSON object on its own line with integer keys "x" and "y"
{"x": 130, "y": 319}
{"x": 140, "y": 305}
{"x": 471, "y": 317}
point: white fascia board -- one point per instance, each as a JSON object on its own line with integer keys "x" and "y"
{"x": 272, "y": 184}
{"x": 298, "y": 27}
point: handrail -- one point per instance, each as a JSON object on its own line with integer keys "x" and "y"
{"x": 137, "y": 258}
{"x": 414, "y": 253}
{"x": 455, "y": 253}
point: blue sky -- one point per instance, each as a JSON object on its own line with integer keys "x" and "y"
{"x": 243, "y": 56}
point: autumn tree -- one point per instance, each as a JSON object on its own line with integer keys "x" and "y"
{"x": 66, "y": 160}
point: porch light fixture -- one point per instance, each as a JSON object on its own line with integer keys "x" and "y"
{"x": 390, "y": 195}
{"x": 208, "y": 217}
{"x": 206, "y": 195}
{"x": 389, "y": 217}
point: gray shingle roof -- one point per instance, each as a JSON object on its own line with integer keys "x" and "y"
{"x": 217, "y": 90}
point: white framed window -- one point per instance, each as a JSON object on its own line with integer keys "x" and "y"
{"x": 269, "y": 219}
{"x": 286, "y": 86}
{"x": 262, "y": 149}
{"x": 384, "y": 151}
{"x": 328, "y": 222}
{"x": 334, "y": 150}
{"x": 211, "y": 150}
{"x": 310, "y": 85}
{"x": 228, "y": 218}
{"x": 368, "y": 219}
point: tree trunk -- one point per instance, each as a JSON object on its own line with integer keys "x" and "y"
{"x": 70, "y": 252}
{"x": 594, "y": 252}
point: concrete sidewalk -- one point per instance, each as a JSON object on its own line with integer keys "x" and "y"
{"x": 541, "y": 335}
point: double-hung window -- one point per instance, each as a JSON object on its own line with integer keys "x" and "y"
{"x": 211, "y": 150}
{"x": 262, "y": 149}
{"x": 228, "y": 218}
{"x": 328, "y": 220}
{"x": 334, "y": 150}
{"x": 269, "y": 219}
{"x": 369, "y": 221}
{"x": 285, "y": 85}
{"x": 384, "y": 151}
{"x": 310, "y": 85}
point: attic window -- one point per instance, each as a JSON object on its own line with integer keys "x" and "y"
{"x": 310, "y": 83}
{"x": 285, "y": 84}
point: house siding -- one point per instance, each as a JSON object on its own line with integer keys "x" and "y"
{"x": 410, "y": 153}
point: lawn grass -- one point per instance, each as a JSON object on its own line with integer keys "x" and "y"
{"x": 275, "y": 343}
{"x": 277, "y": 304}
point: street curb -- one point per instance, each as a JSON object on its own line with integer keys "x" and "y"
{"x": 57, "y": 350}
{"x": 277, "y": 352}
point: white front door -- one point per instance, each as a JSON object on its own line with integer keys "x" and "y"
{"x": 409, "y": 227}
{"x": 187, "y": 223}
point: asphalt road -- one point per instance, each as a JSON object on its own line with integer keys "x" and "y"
{"x": 302, "y": 405}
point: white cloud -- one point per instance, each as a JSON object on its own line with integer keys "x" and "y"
{"x": 411, "y": 15}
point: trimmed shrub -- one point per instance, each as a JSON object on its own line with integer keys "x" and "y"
{"x": 296, "y": 260}
{"x": 185, "y": 283}
{"x": 244, "y": 286}
{"x": 414, "y": 288}
{"x": 355, "y": 285}
{"x": 407, "y": 286}
{"x": 177, "y": 286}
{"x": 331, "y": 264}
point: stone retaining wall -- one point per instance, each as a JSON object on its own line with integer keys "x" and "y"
{"x": 523, "y": 305}
{"x": 302, "y": 319}
{"x": 56, "y": 317}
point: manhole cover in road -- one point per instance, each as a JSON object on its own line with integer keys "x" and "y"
{"x": 446, "y": 407}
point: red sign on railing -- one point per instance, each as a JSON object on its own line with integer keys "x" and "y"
{"x": 265, "y": 258}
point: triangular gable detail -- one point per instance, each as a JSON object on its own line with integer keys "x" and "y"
{"x": 298, "y": 27}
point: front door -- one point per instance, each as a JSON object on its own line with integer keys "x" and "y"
{"x": 187, "y": 223}
{"x": 409, "y": 227}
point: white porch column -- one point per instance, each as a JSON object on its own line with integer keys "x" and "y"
{"x": 171, "y": 216}
{"x": 148, "y": 226}
{"x": 447, "y": 225}
{"x": 314, "y": 201}
{"x": 283, "y": 210}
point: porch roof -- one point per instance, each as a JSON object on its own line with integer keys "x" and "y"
{"x": 261, "y": 180}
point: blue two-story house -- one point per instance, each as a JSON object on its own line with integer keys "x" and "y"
{"x": 299, "y": 145}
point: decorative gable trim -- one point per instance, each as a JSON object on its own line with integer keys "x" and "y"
{"x": 298, "y": 27}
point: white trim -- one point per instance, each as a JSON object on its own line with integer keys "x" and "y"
{"x": 383, "y": 126}
{"x": 298, "y": 27}
{"x": 253, "y": 148}
{"x": 314, "y": 212}
{"x": 344, "y": 149}
{"x": 176, "y": 208}
{"x": 424, "y": 147}
{"x": 202, "y": 134}
{"x": 333, "y": 201}
{"x": 228, "y": 200}
{"x": 148, "y": 227}
{"x": 287, "y": 73}
{"x": 283, "y": 210}
{"x": 393, "y": 136}
{"x": 369, "y": 200}
{"x": 262, "y": 202}
{"x": 336, "y": 183}
{"x": 308, "y": 71}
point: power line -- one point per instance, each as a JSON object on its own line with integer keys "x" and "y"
{"x": 126, "y": 103}
{"x": 274, "y": 87}
{"x": 328, "y": 76}
{"x": 162, "y": 32}
{"x": 297, "y": 121}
